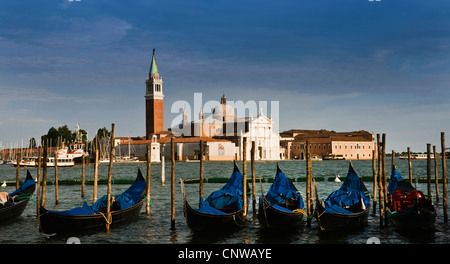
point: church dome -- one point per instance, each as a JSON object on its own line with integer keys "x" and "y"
{"x": 223, "y": 111}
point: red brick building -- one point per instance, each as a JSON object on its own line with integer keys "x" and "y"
{"x": 324, "y": 144}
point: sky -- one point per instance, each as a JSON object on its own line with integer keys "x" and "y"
{"x": 343, "y": 65}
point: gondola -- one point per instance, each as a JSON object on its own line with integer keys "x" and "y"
{"x": 346, "y": 208}
{"x": 282, "y": 206}
{"x": 125, "y": 207}
{"x": 409, "y": 209}
{"x": 222, "y": 211}
{"x": 13, "y": 204}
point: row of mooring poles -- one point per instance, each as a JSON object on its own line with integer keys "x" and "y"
{"x": 436, "y": 175}
{"x": 108, "y": 193}
{"x": 42, "y": 163}
{"x": 436, "y": 172}
{"x": 379, "y": 181}
{"x": 380, "y": 177}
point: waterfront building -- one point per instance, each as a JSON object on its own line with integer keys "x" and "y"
{"x": 188, "y": 148}
{"x": 324, "y": 144}
{"x": 225, "y": 125}
{"x": 135, "y": 148}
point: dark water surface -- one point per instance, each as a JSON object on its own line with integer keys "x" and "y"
{"x": 156, "y": 228}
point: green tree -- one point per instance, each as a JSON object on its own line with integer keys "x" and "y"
{"x": 62, "y": 134}
{"x": 101, "y": 133}
{"x": 32, "y": 143}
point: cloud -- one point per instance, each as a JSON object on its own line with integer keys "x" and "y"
{"x": 85, "y": 33}
{"x": 38, "y": 61}
{"x": 18, "y": 95}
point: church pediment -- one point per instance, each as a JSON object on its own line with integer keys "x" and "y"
{"x": 262, "y": 119}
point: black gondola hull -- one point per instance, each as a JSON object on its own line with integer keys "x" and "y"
{"x": 270, "y": 217}
{"x": 198, "y": 221}
{"x": 424, "y": 220}
{"x": 20, "y": 199}
{"x": 11, "y": 212}
{"x": 51, "y": 223}
{"x": 334, "y": 222}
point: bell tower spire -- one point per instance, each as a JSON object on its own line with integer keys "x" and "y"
{"x": 154, "y": 98}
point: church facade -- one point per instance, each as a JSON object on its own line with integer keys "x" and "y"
{"x": 224, "y": 124}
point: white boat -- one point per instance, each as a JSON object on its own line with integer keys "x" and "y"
{"x": 316, "y": 157}
{"x": 417, "y": 156}
{"x": 25, "y": 162}
{"x": 334, "y": 157}
{"x": 62, "y": 162}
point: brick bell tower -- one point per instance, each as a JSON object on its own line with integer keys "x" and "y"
{"x": 154, "y": 97}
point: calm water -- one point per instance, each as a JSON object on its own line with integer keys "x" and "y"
{"x": 156, "y": 228}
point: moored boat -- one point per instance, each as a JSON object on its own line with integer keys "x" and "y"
{"x": 12, "y": 205}
{"x": 221, "y": 211}
{"x": 125, "y": 207}
{"x": 346, "y": 208}
{"x": 282, "y": 206}
{"x": 410, "y": 209}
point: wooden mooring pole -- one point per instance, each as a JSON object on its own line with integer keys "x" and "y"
{"x": 393, "y": 160}
{"x": 55, "y": 161}
{"x": 95, "y": 175}
{"x": 163, "y": 167}
{"x": 147, "y": 189}
{"x": 375, "y": 183}
{"x": 39, "y": 165}
{"x": 380, "y": 180}
{"x": 383, "y": 168}
{"x": 200, "y": 193}
{"x": 108, "y": 194}
{"x": 385, "y": 192}
{"x": 253, "y": 177}
{"x": 444, "y": 178}
{"x": 244, "y": 178}
{"x": 172, "y": 186}
{"x": 18, "y": 158}
{"x": 436, "y": 174}
{"x": 83, "y": 174}
{"x": 308, "y": 183}
{"x": 38, "y": 183}
{"x": 430, "y": 196}
{"x": 410, "y": 166}
{"x": 44, "y": 175}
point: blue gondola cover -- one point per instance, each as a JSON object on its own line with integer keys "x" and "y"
{"x": 349, "y": 195}
{"x": 393, "y": 183}
{"x": 282, "y": 191}
{"x": 228, "y": 198}
{"x": 28, "y": 182}
{"x": 124, "y": 200}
